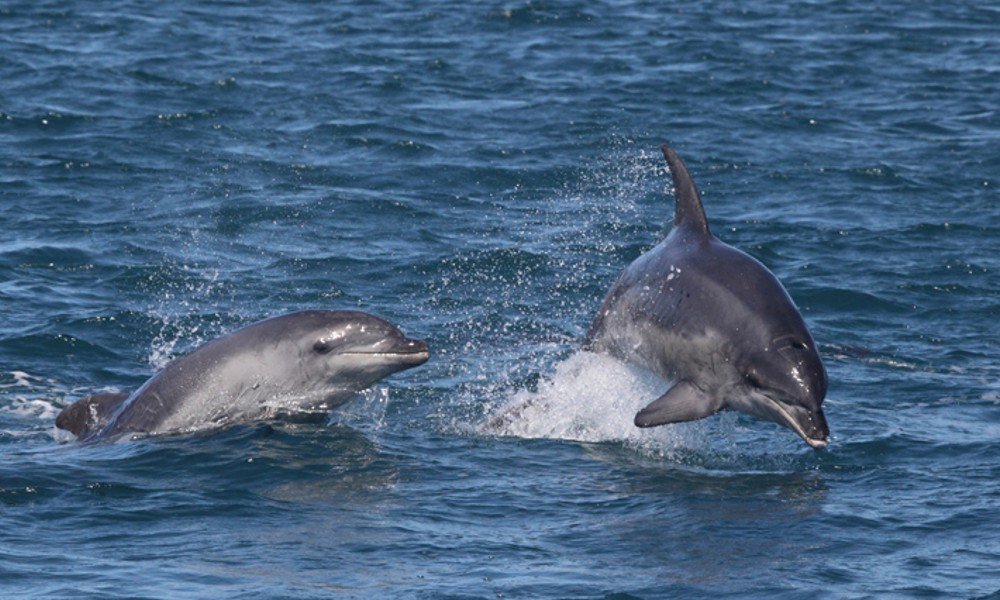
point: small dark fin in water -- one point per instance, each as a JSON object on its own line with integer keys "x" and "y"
{"x": 688, "y": 212}
{"x": 89, "y": 414}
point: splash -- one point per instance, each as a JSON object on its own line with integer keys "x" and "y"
{"x": 29, "y": 405}
{"x": 591, "y": 398}
{"x": 42, "y": 409}
{"x": 20, "y": 379}
{"x": 175, "y": 312}
{"x": 366, "y": 410}
{"x": 512, "y": 313}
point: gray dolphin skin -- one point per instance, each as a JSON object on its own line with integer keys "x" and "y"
{"x": 301, "y": 362}
{"x": 716, "y": 323}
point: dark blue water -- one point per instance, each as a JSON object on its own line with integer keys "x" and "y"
{"x": 480, "y": 174}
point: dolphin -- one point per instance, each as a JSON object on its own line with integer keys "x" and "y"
{"x": 717, "y": 324}
{"x": 302, "y": 362}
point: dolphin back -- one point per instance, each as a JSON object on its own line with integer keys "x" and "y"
{"x": 689, "y": 221}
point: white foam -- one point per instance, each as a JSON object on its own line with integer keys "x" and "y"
{"x": 40, "y": 408}
{"x": 590, "y": 398}
{"x": 36, "y": 400}
{"x": 21, "y": 379}
{"x": 34, "y": 396}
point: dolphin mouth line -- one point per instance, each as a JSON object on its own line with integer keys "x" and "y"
{"x": 818, "y": 444}
{"x": 421, "y": 353}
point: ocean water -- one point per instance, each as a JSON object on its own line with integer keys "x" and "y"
{"x": 479, "y": 173}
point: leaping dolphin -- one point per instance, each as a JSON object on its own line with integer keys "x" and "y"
{"x": 304, "y": 361}
{"x": 716, "y": 323}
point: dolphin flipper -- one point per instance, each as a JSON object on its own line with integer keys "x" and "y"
{"x": 89, "y": 414}
{"x": 682, "y": 402}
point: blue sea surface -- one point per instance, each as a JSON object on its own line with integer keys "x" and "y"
{"x": 479, "y": 174}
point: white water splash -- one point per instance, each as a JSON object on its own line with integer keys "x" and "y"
{"x": 42, "y": 409}
{"x": 591, "y": 398}
{"x": 29, "y": 400}
{"x": 366, "y": 410}
{"x": 21, "y": 379}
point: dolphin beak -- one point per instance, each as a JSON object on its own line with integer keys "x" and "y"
{"x": 810, "y": 425}
{"x": 817, "y": 431}
{"x": 817, "y": 444}
{"x": 415, "y": 352}
{"x": 405, "y": 352}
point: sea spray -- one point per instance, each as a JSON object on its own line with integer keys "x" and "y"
{"x": 571, "y": 241}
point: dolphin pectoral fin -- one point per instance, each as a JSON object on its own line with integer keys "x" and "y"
{"x": 682, "y": 402}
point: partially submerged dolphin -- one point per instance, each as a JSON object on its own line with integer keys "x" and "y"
{"x": 717, "y": 323}
{"x": 305, "y": 361}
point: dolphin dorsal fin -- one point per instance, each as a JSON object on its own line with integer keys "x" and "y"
{"x": 688, "y": 213}
{"x": 90, "y": 414}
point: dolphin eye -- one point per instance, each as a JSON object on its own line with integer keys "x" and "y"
{"x": 752, "y": 380}
{"x": 321, "y": 347}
